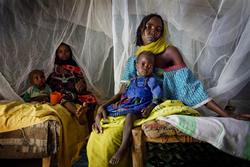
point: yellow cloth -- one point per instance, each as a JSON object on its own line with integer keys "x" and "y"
{"x": 155, "y": 47}
{"x": 168, "y": 107}
{"x": 16, "y": 114}
{"x": 101, "y": 147}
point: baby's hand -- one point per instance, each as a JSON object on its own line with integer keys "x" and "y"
{"x": 146, "y": 111}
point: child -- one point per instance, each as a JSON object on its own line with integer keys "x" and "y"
{"x": 64, "y": 79}
{"x": 38, "y": 91}
{"x": 141, "y": 96}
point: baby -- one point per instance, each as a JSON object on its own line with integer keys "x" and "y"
{"x": 137, "y": 101}
{"x": 38, "y": 91}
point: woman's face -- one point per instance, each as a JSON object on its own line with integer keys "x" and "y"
{"x": 63, "y": 52}
{"x": 153, "y": 30}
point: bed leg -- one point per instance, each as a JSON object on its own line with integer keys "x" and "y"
{"x": 138, "y": 148}
{"x": 46, "y": 161}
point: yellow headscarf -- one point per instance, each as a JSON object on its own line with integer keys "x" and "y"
{"x": 155, "y": 47}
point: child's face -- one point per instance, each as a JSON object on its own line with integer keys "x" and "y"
{"x": 38, "y": 80}
{"x": 152, "y": 31}
{"x": 63, "y": 52}
{"x": 145, "y": 66}
{"x": 81, "y": 86}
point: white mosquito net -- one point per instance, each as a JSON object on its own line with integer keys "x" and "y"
{"x": 212, "y": 35}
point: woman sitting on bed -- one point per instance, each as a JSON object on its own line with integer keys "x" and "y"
{"x": 67, "y": 78}
{"x": 178, "y": 82}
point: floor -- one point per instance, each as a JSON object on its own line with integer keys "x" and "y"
{"x": 164, "y": 155}
{"x": 21, "y": 163}
{"x": 184, "y": 155}
{"x": 190, "y": 155}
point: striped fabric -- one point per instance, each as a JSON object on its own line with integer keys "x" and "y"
{"x": 181, "y": 84}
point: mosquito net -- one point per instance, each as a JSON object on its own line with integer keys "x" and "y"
{"x": 212, "y": 35}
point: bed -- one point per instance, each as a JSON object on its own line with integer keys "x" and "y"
{"x": 155, "y": 131}
{"x": 224, "y": 133}
{"x": 36, "y": 141}
{"x": 30, "y": 130}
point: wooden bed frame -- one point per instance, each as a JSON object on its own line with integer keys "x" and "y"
{"x": 18, "y": 144}
{"x": 139, "y": 144}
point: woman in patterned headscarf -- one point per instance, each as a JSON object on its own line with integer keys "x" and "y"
{"x": 67, "y": 78}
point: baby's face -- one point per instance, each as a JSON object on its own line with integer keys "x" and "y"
{"x": 145, "y": 66}
{"x": 39, "y": 80}
{"x": 63, "y": 52}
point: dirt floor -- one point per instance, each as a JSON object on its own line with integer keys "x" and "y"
{"x": 21, "y": 162}
{"x": 190, "y": 155}
{"x": 164, "y": 155}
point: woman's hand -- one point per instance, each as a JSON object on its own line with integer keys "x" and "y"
{"x": 244, "y": 117}
{"x": 81, "y": 86}
{"x": 101, "y": 113}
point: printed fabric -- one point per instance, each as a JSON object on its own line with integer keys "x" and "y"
{"x": 63, "y": 80}
{"x": 140, "y": 93}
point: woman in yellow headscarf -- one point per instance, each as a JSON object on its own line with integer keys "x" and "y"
{"x": 178, "y": 83}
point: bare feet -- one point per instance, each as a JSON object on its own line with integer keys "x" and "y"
{"x": 244, "y": 117}
{"x": 81, "y": 113}
{"x": 117, "y": 157}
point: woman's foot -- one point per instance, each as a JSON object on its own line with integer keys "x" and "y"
{"x": 117, "y": 157}
{"x": 80, "y": 114}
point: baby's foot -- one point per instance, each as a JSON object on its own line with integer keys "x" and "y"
{"x": 81, "y": 113}
{"x": 117, "y": 157}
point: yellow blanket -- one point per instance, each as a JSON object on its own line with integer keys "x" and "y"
{"x": 15, "y": 115}
{"x": 101, "y": 147}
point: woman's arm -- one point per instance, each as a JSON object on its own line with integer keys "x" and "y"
{"x": 101, "y": 112}
{"x": 116, "y": 97}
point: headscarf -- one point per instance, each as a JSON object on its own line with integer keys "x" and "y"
{"x": 155, "y": 47}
